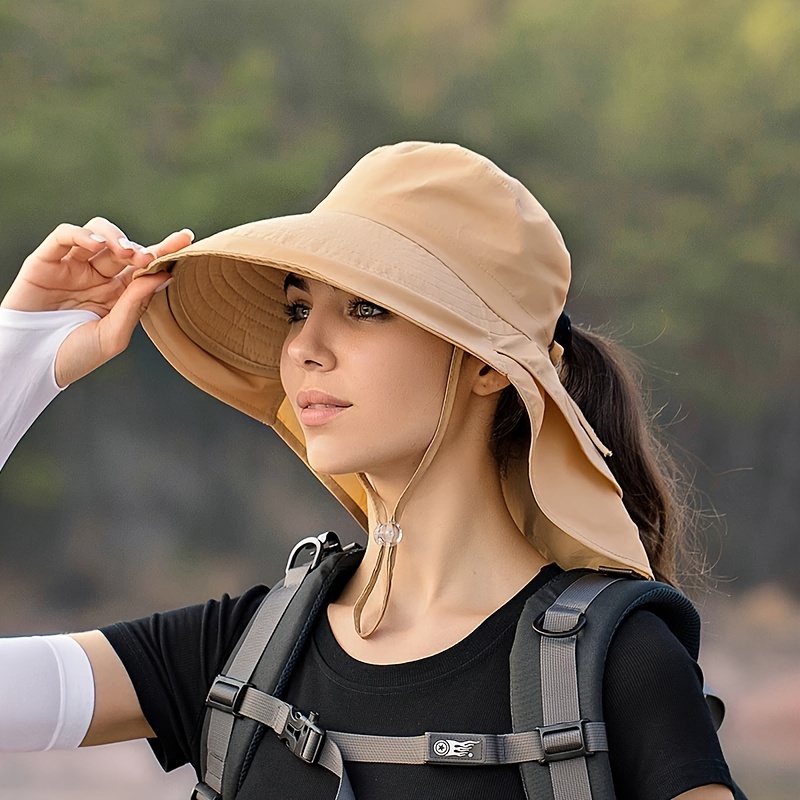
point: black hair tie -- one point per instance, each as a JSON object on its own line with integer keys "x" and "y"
{"x": 563, "y": 333}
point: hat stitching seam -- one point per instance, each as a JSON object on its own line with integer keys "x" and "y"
{"x": 250, "y": 316}
{"x": 484, "y": 319}
{"x": 279, "y": 329}
{"x": 220, "y": 324}
{"x": 212, "y": 306}
{"x": 465, "y": 302}
{"x": 468, "y": 290}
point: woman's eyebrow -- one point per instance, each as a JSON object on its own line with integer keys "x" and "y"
{"x": 294, "y": 280}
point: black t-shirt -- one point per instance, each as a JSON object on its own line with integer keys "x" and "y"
{"x": 661, "y": 739}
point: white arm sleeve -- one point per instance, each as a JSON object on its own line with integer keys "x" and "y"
{"x": 29, "y": 342}
{"x": 46, "y": 693}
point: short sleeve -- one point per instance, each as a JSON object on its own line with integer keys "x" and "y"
{"x": 662, "y": 741}
{"x": 172, "y": 659}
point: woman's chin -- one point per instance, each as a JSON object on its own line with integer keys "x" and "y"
{"x": 330, "y": 464}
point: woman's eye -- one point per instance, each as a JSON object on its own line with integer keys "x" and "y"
{"x": 363, "y": 309}
{"x": 295, "y": 312}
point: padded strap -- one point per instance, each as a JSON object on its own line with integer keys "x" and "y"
{"x": 220, "y": 724}
{"x": 559, "y": 628}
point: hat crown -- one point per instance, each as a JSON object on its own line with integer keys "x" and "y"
{"x": 481, "y": 223}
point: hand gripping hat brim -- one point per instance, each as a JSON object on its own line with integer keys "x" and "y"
{"x": 442, "y": 237}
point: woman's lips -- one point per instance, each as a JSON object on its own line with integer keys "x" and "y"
{"x": 318, "y": 407}
{"x": 314, "y": 415}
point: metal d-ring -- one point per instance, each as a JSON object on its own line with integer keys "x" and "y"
{"x": 537, "y": 625}
{"x": 323, "y": 544}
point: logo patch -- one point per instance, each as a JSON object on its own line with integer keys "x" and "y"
{"x": 445, "y": 748}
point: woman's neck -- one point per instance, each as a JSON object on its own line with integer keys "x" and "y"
{"x": 461, "y": 556}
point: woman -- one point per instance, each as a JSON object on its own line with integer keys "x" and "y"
{"x": 419, "y": 378}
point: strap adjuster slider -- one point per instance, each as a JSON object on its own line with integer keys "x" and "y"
{"x": 562, "y": 741}
{"x": 226, "y": 694}
{"x": 204, "y": 792}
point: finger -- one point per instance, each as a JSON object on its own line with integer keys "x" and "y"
{"x": 117, "y": 327}
{"x": 172, "y": 243}
{"x": 105, "y": 228}
{"x": 126, "y": 276}
{"x": 61, "y": 241}
{"x": 108, "y": 263}
{"x": 121, "y": 251}
{"x": 116, "y": 237}
{"x": 102, "y": 230}
{"x": 127, "y": 253}
{"x": 118, "y": 256}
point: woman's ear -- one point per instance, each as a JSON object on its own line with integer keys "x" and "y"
{"x": 488, "y": 380}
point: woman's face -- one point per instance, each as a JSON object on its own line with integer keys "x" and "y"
{"x": 366, "y": 385}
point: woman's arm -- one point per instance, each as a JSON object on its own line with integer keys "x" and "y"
{"x": 58, "y": 692}
{"x": 117, "y": 714}
{"x": 73, "y": 306}
{"x": 29, "y": 342}
{"x": 715, "y": 792}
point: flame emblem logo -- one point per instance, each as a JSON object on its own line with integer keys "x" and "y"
{"x": 455, "y": 749}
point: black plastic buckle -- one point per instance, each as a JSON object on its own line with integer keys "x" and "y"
{"x": 226, "y": 694}
{"x": 302, "y": 735}
{"x": 204, "y": 792}
{"x": 562, "y": 741}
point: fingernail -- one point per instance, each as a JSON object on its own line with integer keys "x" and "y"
{"x": 128, "y": 244}
{"x": 97, "y": 237}
{"x": 189, "y": 231}
{"x": 164, "y": 285}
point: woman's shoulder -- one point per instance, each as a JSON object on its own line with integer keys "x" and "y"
{"x": 212, "y": 627}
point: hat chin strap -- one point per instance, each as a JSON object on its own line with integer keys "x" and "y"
{"x": 389, "y": 533}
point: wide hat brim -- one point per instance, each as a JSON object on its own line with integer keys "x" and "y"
{"x": 221, "y": 324}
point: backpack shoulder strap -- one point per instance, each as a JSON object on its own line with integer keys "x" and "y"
{"x": 556, "y": 685}
{"x": 266, "y": 653}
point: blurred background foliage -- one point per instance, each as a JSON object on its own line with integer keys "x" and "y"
{"x": 663, "y": 137}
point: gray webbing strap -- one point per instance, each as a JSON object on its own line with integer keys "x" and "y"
{"x": 455, "y": 748}
{"x": 331, "y": 749}
{"x": 241, "y": 669}
{"x": 306, "y": 740}
{"x": 559, "y": 676}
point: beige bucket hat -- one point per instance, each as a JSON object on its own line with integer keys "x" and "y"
{"x": 441, "y": 236}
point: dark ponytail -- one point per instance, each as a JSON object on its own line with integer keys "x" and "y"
{"x": 605, "y": 380}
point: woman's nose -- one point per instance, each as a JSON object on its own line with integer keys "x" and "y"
{"x": 308, "y": 345}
